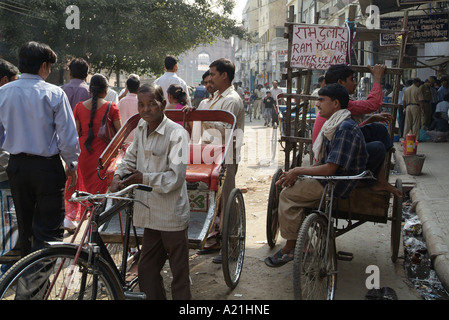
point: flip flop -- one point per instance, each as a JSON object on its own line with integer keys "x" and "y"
{"x": 278, "y": 259}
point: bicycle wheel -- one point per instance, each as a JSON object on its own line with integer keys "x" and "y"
{"x": 314, "y": 271}
{"x": 396, "y": 223}
{"x": 49, "y": 274}
{"x": 233, "y": 238}
{"x": 272, "y": 210}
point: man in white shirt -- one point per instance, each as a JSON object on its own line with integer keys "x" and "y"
{"x": 155, "y": 158}
{"x": 170, "y": 77}
{"x": 239, "y": 89}
{"x": 222, "y": 73}
{"x": 112, "y": 96}
{"x": 275, "y": 90}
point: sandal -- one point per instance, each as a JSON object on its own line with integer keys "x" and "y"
{"x": 210, "y": 249}
{"x": 278, "y": 259}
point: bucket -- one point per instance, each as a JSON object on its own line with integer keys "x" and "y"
{"x": 414, "y": 163}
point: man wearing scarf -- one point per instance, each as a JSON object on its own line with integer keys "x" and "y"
{"x": 341, "y": 150}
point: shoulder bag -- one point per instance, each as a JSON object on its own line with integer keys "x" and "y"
{"x": 107, "y": 130}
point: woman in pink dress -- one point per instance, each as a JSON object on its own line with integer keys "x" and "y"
{"x": 177, "y": 99}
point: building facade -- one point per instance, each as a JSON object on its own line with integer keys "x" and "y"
{"x": 195, "y": 62}
{"x": 262, "y": 60}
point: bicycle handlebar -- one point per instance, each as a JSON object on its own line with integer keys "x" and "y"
{"x": 79, "y": 196}
{"x": 367, "y": 174}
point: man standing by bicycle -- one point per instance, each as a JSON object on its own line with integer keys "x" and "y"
{"x": 158, "y": 158}
{"x": 342, "y": 150}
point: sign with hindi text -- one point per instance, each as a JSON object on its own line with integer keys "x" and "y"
{"x": 422, "y": 29}
{"x": 318, "y": 47}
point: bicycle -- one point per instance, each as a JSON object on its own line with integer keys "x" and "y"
{"x": 84, "y": 270}
{"x": 315, "y": 256}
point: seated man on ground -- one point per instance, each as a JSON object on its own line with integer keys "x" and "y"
{"x": 438, "y": 130}
{"x": 342, "y": 151}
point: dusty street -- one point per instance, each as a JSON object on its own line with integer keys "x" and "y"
{"x": 370, "y": 243}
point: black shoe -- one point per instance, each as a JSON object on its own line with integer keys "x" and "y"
{"x": 218, "y": 259}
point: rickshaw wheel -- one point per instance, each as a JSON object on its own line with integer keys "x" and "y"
{"x": 233, "y": 238}
{"x": 396, "y": 222}
{"x": 272, "y": 210}
{"x": 315, "y": 263}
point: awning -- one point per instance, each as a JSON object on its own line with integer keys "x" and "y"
{"x": 428, "y": 63}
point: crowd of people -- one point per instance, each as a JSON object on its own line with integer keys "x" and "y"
{"x": 59, "y": 150}
{"x": 423, "y": 105}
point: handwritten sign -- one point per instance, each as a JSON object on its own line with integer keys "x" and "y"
{"x": 318, "y": 47}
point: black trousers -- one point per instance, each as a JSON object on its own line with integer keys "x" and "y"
{"x": 378, "y": 143}
{"x": 37, "y": 188}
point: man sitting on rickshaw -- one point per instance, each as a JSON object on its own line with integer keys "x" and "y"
{"x": 342, "y": 151}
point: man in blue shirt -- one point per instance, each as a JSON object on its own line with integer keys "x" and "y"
{"x": 37, "y": 128}
{"x": 342, "y": 150}
{"x": 200, "y": 94}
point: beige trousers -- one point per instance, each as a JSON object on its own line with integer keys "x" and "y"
{"x": 305, "y": 193}
{"x": 412, "y": 120}
{"x": 257, "y": 108}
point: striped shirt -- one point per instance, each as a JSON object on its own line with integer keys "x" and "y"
{"x": 347, "y": 149}
{"x": 162, "y": 158}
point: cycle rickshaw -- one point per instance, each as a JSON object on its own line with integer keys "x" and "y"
{"x": 315, "y": 256}
{"x": 205, "y": 176}
{"x": 315, "y": 270}
{"x": 88, "y": 269}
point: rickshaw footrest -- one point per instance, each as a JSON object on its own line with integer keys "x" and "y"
{"x": 345, "y": 256}
{"x": 135, "y": 296}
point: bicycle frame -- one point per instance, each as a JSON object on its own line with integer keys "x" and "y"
{"x": 96, "y": 248}
{"x": 327, "y": 199}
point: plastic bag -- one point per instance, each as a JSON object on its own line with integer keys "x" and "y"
{"x": 9, "y": 233}
{"x": 423, "y": 136}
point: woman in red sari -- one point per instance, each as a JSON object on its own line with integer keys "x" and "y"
{"x": 88, "y": 116}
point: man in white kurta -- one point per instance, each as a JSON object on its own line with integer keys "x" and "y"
{"x": 226, "y": 98}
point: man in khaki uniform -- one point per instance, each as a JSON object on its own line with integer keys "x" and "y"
{"x": 413, "y": 107}
{"x": 257, "y": 107}
{"x": 426, "y": 95}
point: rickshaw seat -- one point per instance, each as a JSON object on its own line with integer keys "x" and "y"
{"x": 205, "y": 164}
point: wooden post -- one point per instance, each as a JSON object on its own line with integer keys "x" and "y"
{"x": 289, "y": 35}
